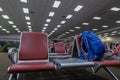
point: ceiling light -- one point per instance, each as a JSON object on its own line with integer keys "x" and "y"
{"x": 4, "y": 29}
{"x": 5, "y": 17}
{"x": 29, "y": 23}
{"x": 69, "y": 16}
{"x": 78, "y": 8}
{"x": 77, "y": 27}
{"x": 56, "y": 4}
{"x": 117, "y": 21}
{"x": 14, "y": 26}
{"x": 106, "y": 33}
{"x": 62, "y": 22}
{"x": 27, "y": 17}
{"x": 67, "y": 32}
{"x": 1, "y": 9}
{"x": 7, "y": 31}
{"x": 97, "y": 18}
{"x": 0, "y": 26}
{"x": 114, "y": 32}
{"x": 63, "y": 34}
{"x": 29, "y": 27}
{"x": 94, "y": 29}
{"x": 58, "y": 26}
{"x": 53, "y": 31}
{"x": 44, "y": 28}
{"x": 85, "y": 23}
{"x": 25, "y": 10}
{"x": 17, "y": 29}
{"x": 10, "y": 22}
{"x": 25, "y": 1}
{"x": 45, "y": 24}
{"x": 51, "y": 14}
{"x": 48, "y": 20}
{"x": 105, "y": 26}
{"x": 71, "y": 30}
{"x": 55, "y": 28}
{"x": 115, "y": 9}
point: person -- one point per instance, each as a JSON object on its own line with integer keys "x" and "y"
{"x": 116, "y": 51}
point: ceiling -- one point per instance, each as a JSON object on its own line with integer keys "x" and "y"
{"x": 39, "y": 11}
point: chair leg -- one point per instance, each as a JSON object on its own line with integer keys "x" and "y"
{"x": 93, "y": 70}
{"x": 14, "y": 76}
{"x": 110, "y": 72}
{"x": 97, "y": 69}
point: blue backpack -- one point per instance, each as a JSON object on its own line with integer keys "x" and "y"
{"x": 91, "y": 46}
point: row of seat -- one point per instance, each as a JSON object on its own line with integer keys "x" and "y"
{"x": 33, "y": 56}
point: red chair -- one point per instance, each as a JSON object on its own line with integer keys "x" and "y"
{"x": 101, "y": 64}
{"x": 32, "y": 55}
{"x": 69, "y": 49}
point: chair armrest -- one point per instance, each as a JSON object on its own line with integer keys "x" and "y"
{"x": 12, "y": 55}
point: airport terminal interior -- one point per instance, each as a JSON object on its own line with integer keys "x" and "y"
{"x": 59, "y": 39}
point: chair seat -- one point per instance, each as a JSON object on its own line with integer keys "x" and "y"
{"x": 31, "y": 67}
{"x": 106, "y": 63}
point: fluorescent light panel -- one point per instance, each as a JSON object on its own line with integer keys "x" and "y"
{"x": 77, "y": 27}
{"x": 0, "y": 26}
{"x": 29, "y": 27}
{"x": 85, "y": 23}
{"x": 25, "y": 10}
{"x": 45, "y": 24}
{"x": 69, "y": 16}
{"x": 58, "y": 26}
{"x": 62, "y": 22}
{"x": 97, "y": 18}
{"x": 29, "y": 23}
{"x": 78, "y": 8}
{"x": 117, "y": 21}
{"x": 27, "y": 17}
{"x": 10, "y": 22}
{"x": 71, "y": 30}
{"x": 1, "y": 9}
{"x": 51, "y": 14}
{"x": 56, "y": 4}
{"x": 14, "y": 26}
{"x": 94, "y": 29}
{"x": 5, "y": 17}
{"x": 24, "y": 1}
{"x": 105, "y": 26}
{"x": 115, "y": 9}
{"x": 48, "y": 20}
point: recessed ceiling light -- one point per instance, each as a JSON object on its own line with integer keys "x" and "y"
{"x": 17, "y": 29}
{"x": 4, "y": 29}
{"x": 7, "y": 31}
{"x": 29, "y": 23}
{"x": 25, "y": 10}
{"x": 5, "y": 17}
{"x": 27, "y": 17}
{"x": 85, "y": 23}
{"x": 48, "y": 20}
{"x": 56, "y": 4}
{"x": 114, "y": 32}
{"x": 0, "y": 26}
{"x": 1, "y": 9}
{"x": 53, "y": 31}
{"x": 58, "y": 26}
{"x": 77, "y": 27}
{"x": 117, "y": 21}
{"x": 97, "y": 18}
{"x": 94, "y": 29}
{"x": 51, "y": 14}
{"x": 105, "y": 26}
{"x": 55, "y": 28}
{"x": 25, "y": 1}
{"x": 115, "y": 9}
{"x": 44, "y": 28}
{"x": 10, "y": 22}
{"x": 78, "y": 8}
{"x": 29, "y": 27}
{"x": 62, "y": 22}
{"x": 14, "y": 26}
{"x": 67, "y": 32}
{"x": 69, "y": 16}
{"x": 71, "y": 30}
{"x": 45, "y": 24}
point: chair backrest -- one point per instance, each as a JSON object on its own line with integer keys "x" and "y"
{"x": 33, "y": 46}
{"x": 76, "y": 47}
{"x": 69, "y": 48}
{"x": 59, "y": 47}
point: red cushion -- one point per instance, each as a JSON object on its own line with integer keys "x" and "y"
{"x": 59, "y": 47}
{"x": 105, "y": 63}
{"x": 31, "y": 67}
